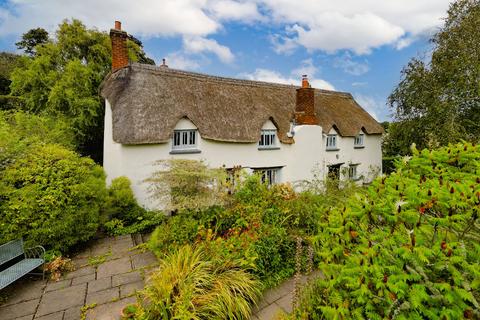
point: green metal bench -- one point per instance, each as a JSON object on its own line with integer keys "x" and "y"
{"x": 28, "y": 260}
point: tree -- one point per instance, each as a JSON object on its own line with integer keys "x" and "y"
{"x": 31, "y": 39}
{"x": 438, "y": 101}
{"x": 64, "y": 78}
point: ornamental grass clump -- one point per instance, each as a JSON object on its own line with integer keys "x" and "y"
{"x": 407, "y": 249}
{"x": 190, "y": 284}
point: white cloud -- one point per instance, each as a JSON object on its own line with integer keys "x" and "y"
{"x": 350, "y": 66}
{"x": 200, "y": 45}
{"x": 359, "y": 33}
{"x": 140, "y": 17}
{"x": 356, "y": 25}
{"x": 373, "y": 105}
{"x": 234, "y": 10}
{"x": 295, "y": 76}
{"x": 179, "y": 60}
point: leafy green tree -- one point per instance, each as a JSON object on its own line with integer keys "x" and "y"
{"x": 8, "y": 62}
{"x": 63, "y": 78}
{"x": 20, "y": 132}
{"x": 31, "y": 39}
{"x": 438, "y": 101}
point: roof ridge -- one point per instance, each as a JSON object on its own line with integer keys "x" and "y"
{"x": 159, "y": 69}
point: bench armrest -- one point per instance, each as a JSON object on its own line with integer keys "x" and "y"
{"x": 35, "y": 252}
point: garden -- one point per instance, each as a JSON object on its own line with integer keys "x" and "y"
{"x": 405, "y": 247}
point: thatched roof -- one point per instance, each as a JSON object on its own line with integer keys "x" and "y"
{"x": 148, "y": 101}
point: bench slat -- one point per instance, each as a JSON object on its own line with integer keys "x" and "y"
{"x": 11, "y": 250}
{"x": 18, "y": 270}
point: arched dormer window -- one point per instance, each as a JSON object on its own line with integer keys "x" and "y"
{"x": 359, "y": 141}
{"x": 185, "y": 138}
{"x": 268, "y": 137}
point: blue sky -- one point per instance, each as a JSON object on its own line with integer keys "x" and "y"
{"x": 358, "y": 46}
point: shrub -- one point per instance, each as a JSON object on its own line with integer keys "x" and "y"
{"x": 275, "y": 249}
{"x": 121, "y": 203}
{"x": 187, "y": 184}
{"x": 123, "y": 214}
{"x": 191, "y": 285}
{"x": 173, "y": 233}
{"x": 51, "y": 197}
{"x": 408, "y": 248}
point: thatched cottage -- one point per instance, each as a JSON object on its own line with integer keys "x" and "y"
{"x": 282, "y": 131}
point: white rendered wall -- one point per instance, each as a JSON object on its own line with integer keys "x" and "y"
{"x": 297, "y": 160}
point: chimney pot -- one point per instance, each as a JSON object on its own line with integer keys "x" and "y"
{"x": 305, "y": 83}
{"x": 118, "y": 25}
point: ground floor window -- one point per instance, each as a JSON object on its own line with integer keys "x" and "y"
{"x": 269, "y": 175}
{"x": 352, "y": 172}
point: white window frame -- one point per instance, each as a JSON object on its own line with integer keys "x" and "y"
{"x": 268, "y": 139}
{"x": 185, "y": 139}
{"x": 269, "y": 176}
{"x": 332, "y": 140}
{"x": 353, "y": 172}
{"x": 359, "y": 140}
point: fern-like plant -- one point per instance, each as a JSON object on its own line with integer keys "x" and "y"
{"x": 407, "y": 249}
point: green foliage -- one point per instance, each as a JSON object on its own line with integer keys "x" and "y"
{"x": 187, "y": 184}
{"x": 20, "y": 131}
{"x": 256, "y": 227}
{"x": 122, "y": 212}
{"x": 190, "y": 284}
{"x": 51, "y": 197}
{"x": 121, "y": 203}
{"x": 173, "y": 233}
{"x": 8, "y": 62}
{"x": 31, "y": 39}
{"x": 437, "y": 101}
{"x": 408, "y": 248}
{"x": 63, "y": 78}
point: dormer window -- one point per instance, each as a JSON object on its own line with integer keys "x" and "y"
{"x": 332, "y": 142}
{"x": 268, "y": 139}
{"x": 184, "y": 141}
{"x": 359, "y": 139}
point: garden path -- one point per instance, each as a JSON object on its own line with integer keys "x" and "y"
{"x": 105, "y": 279}
{"x": 278, "y": 300}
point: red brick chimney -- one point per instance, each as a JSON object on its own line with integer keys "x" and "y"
{"x": 305, "y": 107}
{"x": 119, "y": 47}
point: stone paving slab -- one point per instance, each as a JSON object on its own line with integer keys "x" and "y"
{"x": 23, "y": 290}
{"x": 52, "y": 316}
{"x": 278, "y": 300}
{"x": 100, "y": 284}
{"x": 114, "y": 267}
{"x": 104, "y": 296}
{"x": 19, "y": 310}
{"x": 57, "y": 285}
{"x": 125, "y": 278}
{"x": 109, "y": 311}
{"x": 62, "y": 299}
{"x": 130, "y": 288}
